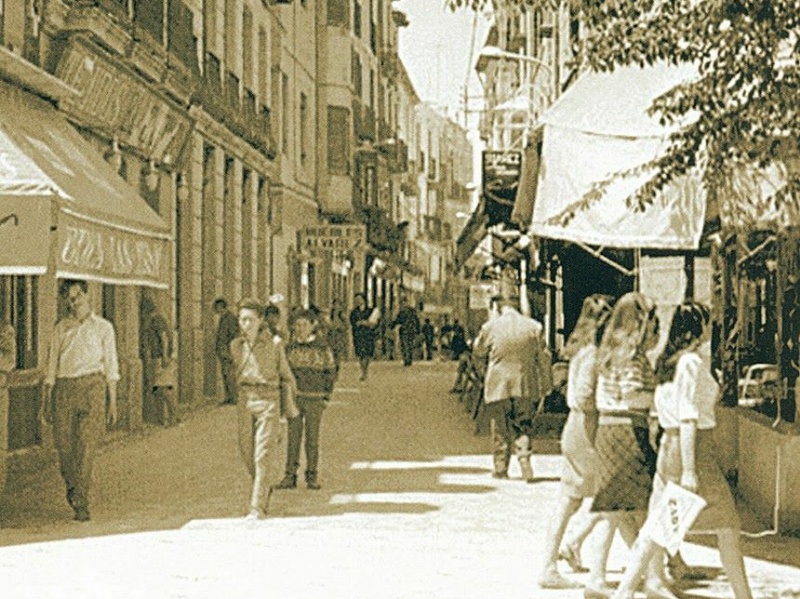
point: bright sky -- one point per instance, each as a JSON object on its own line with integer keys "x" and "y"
{"x": 435, "y": 48}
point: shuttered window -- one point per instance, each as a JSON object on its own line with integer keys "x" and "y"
{"x": 338, "y": 140}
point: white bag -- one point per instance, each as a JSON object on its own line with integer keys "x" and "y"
{"x": 670, "y": 519}
{"x": 374, "y": 317}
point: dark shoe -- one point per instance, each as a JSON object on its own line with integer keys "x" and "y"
{"x": 499, "y": 474}
{"x": 312, "y": 482}
{"x": 289, "y": 482}
{"x": 81, "y": 514}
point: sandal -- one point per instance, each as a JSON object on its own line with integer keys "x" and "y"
{"x": 571, "y": 555}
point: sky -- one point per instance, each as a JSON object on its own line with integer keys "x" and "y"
{"x": 435, "y": 47}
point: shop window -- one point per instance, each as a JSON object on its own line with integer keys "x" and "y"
{"x": 19, "y": 301}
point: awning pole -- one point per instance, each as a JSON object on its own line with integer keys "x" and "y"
{"x": 600, "y": 256}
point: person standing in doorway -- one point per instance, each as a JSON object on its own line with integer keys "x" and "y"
{"x": 363, "y": 326}
{"x": 82, "y": 370}
{"x": 158, "y": 360}
{"x": 428, "y": 334}
{"x": 408, "y": 321}
{"x": 517, "y": 375}
{"x": 265, "y": 389}
{"x": 227, "y": 331}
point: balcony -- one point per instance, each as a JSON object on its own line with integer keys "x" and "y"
{"x": 433, "y": 228}
{"x": 242, "y": 118}
{"x": 107, "y": 22}
{"x": 385, "y": 131}
{"x": 398, "y": 157}
{"x": 433, "y": 170}
{"x": 383, "y": 233}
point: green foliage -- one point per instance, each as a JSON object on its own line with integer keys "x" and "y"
{"x": 743, "y": 111}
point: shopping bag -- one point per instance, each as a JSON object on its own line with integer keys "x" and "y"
{"x": 671, "y": 517}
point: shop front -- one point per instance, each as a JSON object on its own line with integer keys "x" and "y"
{"x": 66, "y": 213}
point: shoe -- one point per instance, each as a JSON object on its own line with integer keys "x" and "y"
{"x": 81, "y": 514}
{"x": 682, "y": 571}
{"x": 554, "y": 580}
{"x": 289, "y": 482}
{"x": 499, "y": 474}
{"x": 571, "y": 555}
{"x": 312, "y": 482}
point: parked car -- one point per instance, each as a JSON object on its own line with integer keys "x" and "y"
{"x": 759, "y": 386}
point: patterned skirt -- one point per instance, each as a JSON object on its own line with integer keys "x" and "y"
{"x": 720, "y": 510}
{"x": 578, "y": 478}
{"x": 626, "y": 465}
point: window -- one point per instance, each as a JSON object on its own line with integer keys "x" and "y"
{"x": 19, "y": 299}
{"x": 263, "y": 67}
{"x": 284, "y": 113}
{"x": 357, "y": 75}
{"x": 180, "y": 31}
{"x": 210, "y": 26}
{"x": 338, "y": 140}
{"x": 338, "y": 12}
{"x": 230, "y": 32}
{"x": 303, "y": 127}
{"x": 357, "y": 18}
{"x": 149, "y": 16}
{"x": 372, "y": 88}
{"x": 248, "y": 231}
{"x": 248, "y": 74}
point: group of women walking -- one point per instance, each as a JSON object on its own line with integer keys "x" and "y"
{"x": 615, "y": 457}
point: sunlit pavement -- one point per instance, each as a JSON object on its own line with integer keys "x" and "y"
{"x": 408, "y": 509}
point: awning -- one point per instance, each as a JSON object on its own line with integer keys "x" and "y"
{"x": 596, "y": 131}
{"x": 470, "y": 237}
{"x": 51, "y": 179}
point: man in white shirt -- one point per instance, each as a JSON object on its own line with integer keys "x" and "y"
{"x": 82, "y": 366}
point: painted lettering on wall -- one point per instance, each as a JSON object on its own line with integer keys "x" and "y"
{"x": 110, "y": 254}
{"x": 124, "y": 105}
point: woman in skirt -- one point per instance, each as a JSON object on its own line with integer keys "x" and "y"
{"x": 687, "y": 456}
{"x": 577, "y": 440}
{"x": 626, "y": 460}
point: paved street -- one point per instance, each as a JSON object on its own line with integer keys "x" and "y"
{"x": 408, "y": 509}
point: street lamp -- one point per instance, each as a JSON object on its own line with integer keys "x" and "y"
{"x": 495, "y": 52}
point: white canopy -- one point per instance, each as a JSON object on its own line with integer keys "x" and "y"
{"x": 598, "y": 129}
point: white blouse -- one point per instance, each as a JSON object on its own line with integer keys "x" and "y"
{"x": 691, "y": 395}
{"x": 581, "y": 379}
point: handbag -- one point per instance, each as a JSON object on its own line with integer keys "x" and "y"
{"x": 670, "y": 519}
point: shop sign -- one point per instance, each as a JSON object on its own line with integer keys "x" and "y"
{"x": 501, "y": 173}
{"x": 480, "y": 296}
{"x": 96, "y": 252}
{"x": 340, "y": 238}
{"x": 119, "y": 102}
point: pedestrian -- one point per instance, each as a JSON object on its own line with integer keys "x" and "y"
{"x": 458, "y": 340}
{"x": 158, "y": 361}
{"x": 685, "y": 402}
{"x": 577, "y": 439}
{"x": 428, "y": 334}
{"x": 363, "y": 326}
{"x": 272, "y": 321}
{"x": 265, "y": 388}
{"x": 227, "y": 331}
{"x": 408, "y": 323}
{"x": 338, "y": 334}
{"x": 314, "y": 367}
{"x": 625, "y": 456}
{"x": 517, "y": 375}
{"x": 82, "y": 369}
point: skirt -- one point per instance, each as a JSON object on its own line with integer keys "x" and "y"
{"x": 580, "y": 460}
{"x": 720, "y": 511}
{"x": 626, "y": 465}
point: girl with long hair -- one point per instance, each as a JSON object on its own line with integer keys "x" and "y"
{"x": 685, "y": 402}
{"x": 625, "y": 458}
{"x": 577, "y": 440}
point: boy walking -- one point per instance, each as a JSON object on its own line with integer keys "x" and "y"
{"x": 314, "y": 368}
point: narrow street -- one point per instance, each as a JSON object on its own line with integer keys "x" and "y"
{"x": 408, "y": 509}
